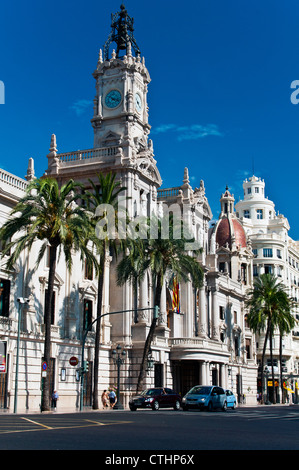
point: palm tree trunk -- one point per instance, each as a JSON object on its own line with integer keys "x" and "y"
{"x": 262, "y": 365}
{"x": 272, "y": 365}
{"x": 150, "y": 336}
{"x": 98, "y": 331}
{"x": 280, "y": 367}
{"x": 45, "y": 405}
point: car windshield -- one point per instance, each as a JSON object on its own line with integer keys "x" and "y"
{"x": 151, "y": 392}
{"x": 200, "y": 391}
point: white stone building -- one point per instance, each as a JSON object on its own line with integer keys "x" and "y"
{"x": 207, "y": 341}
{"x": 274, "y": 252}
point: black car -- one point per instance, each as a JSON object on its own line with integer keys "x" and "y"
{"x": 156, "y": 398}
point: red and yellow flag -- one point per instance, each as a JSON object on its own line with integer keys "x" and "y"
{"x": 176, "y": 295}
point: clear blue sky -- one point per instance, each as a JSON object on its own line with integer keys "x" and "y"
{"x": 219, "y": 100}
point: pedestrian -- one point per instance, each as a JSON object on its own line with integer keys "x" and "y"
{"x": 112, "y": 398}
{"x": 55, "y": 397}
{"x": 105, "y": 399}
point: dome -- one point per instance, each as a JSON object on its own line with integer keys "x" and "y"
{"x": 227, "y": 228}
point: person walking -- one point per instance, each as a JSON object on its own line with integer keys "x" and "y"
{"x": 55, "y": 398}
{"x": 105, "y": 399}
{"x": 112, "y": 398}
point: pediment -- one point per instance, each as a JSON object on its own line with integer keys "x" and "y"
{"x": 111, "y": 139}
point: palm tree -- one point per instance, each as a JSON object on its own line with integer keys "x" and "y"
{"x": 159, "y": 255}
{"x": 269, "y": 307}
{"x": 48, "y": 214}
{"x": 103, "y": 201}
{"x": 286, "y": 323}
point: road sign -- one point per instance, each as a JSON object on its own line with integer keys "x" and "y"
{"x": 3, "y": 357}
{"x": 44, "y": 366}
{"x": 74, "y": 361}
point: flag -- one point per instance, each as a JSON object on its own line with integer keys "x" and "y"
{"x": 176, "y": 295}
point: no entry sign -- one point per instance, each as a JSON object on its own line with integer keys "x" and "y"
{"x": 74, "y": 361}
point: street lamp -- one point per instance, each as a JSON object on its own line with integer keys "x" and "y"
{"x": 150, "y": 361}
{"x": 118, "y": 357}
{"x": 21, "y": 301}
{"x": 267, "y": 388}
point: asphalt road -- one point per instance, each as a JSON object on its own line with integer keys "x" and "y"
{"x": 252, "y": 428}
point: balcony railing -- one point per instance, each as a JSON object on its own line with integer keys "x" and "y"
{"x": 89, "y": 154}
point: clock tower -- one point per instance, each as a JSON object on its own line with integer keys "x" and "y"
{"x": 120, "y": 105}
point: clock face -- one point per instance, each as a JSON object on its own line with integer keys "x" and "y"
{"x": 138, "y": 102}
{"x": 113, "y": 99}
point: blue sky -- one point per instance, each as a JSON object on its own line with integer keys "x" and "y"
{"x": 219, "y": 100}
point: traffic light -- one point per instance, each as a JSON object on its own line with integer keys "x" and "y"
{"x": 85, "y": 366}
{"x": 156, "y": 311}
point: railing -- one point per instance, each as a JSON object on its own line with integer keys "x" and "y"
{"x": 168, "y": 192}
{"x": 89, "y": 154}
{"x": 13, "y": 180}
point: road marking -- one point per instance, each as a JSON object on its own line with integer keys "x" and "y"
{"x": 54, "y": 428}
{"x": 35, "y": 422}
{"x": 96, "y": 422}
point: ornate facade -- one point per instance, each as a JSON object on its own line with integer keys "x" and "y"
{"x": 206, "y": 340}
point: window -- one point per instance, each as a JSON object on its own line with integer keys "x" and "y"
{"x": 248, "y": 190}
{"x": 278, "y": 252}
{"x": 268, "y": 269}
{"x": 254, "y": 251}
{"x": 88, "y": 272}
{"x": 222, "y": 267}
{"x": 4, "y": 297}
{"x": 235, "y": 317}
{"x": 247, "y": 214}
{"x": 221, "y": 313}
{"x": 255, "y": 271}
{"x": 257, "y": 190}
{"x": 259, "y": 214}
{"x": 267, "y": 252}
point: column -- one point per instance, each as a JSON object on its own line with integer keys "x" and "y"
{"x": 202, "y": 314}
{"x": 215, "y": 315}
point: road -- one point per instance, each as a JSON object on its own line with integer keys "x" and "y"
{"x": 252, "y": 428}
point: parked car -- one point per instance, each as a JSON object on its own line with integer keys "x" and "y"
{"x": 156, "y": 398}
{"x": 205, "y": 396}
{"x": 230, "y": 399}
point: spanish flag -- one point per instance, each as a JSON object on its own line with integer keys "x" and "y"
{"x": 176, "y": 295}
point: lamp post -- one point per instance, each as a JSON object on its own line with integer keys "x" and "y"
{"x": 118, "y": 356}
{"x": 21, "y": 301}
{"x": 267, "y": 388}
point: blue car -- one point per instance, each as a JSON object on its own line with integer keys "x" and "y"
{"x": 231, "y": 399}
{"x": 205, "y": 397}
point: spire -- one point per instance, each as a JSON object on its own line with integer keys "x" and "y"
{"x": 121, "y": 34}
{"x": 30, "y": 170}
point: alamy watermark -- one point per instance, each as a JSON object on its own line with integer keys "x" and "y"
{"x": 2, "y": 92}
{"x": 294, "y": 96}
{"x": 170, "y": 222}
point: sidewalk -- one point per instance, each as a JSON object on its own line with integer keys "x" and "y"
{"x": 62, "y": 410}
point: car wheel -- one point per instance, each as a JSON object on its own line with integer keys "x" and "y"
{"x": 133, "y": 408}
{"x": 185, "y": 408}
{"x": 177, "y": 405}
{"x": 234, "y": 405}
{"x": 210, "y": 406}
{"x": 155, "y": 406}
{"x": 224, "y": 408}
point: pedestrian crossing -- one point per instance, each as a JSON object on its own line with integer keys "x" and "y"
{"x": 258, "y": 414}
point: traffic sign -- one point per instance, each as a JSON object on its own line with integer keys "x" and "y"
{"x": 74, "y": 361}
{"x": 44, "y": 366}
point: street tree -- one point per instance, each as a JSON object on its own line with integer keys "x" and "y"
{"x": 47, "y": 214}
{"x": 159, "y": 255}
